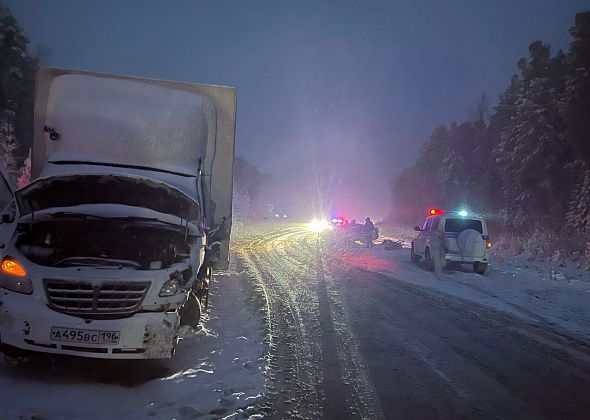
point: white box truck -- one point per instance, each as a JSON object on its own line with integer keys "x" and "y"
{"x": 111, "y": 247}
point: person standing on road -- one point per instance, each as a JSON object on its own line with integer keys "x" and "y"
{"x": 369, "y": 229}
{"x": 438, "y": 250}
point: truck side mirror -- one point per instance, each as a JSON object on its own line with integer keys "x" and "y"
{"x": 417, "y": 228}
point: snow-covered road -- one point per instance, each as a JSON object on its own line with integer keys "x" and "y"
{"x": 358, "y": 333}
{"x": 519, "y": 288}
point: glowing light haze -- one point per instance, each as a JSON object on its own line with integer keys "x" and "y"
{"x": 339, "y": 94}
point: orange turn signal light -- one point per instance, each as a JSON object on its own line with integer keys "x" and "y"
{"x": 13, "y": 268}
{"x": 488, "y": 244}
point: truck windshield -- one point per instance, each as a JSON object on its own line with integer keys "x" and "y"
{"x": 459, "y": 225}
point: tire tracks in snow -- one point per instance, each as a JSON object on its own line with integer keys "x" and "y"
{"x": 361, "y": 396}
{"x": 291, "y": 351}
{"x": 314, "y": 356}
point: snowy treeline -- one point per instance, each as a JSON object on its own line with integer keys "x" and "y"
{"x": 260, "y": 196}
{"x": 527, "y": 165}
{"x": 250, "y": 191}
{"x": 17, "y": 85}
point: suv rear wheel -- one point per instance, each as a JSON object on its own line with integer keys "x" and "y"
{"x": 479, "y": 267}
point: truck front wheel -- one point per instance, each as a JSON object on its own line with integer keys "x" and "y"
{"x": 479, "y": 267}
{"x": 190, "y": 312}
{"x": 13, "y": 353}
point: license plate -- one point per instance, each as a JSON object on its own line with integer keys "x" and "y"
{"x": 75, "y": 335}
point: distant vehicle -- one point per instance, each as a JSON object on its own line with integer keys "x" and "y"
{"x": 111, "y": 248}
{"x": 353, "y": 231}
{"x": 464, "y": 237}
{"x": 339, "y": 222}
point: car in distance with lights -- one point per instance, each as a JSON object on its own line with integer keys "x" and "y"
{"x": 351, "y": 230}
{"x": 464, "y": 238}
{"x": 339, "y": 222}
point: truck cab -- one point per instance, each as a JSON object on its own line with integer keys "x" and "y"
{"x": 112, "y": 246}
{"x": 462, "y": 237}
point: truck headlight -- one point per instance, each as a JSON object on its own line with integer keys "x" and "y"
{"x": 14, "y": 277}
{"x": 170, "y": 288}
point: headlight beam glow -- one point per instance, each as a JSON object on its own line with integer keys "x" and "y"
{"x": 319, "y": 225}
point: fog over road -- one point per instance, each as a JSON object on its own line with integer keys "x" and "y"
{"x": 350, "y": 343}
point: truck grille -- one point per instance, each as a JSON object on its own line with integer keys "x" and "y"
{"x": 103, "y": 299}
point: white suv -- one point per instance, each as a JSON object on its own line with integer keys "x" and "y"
{"x": 464, "y": 238}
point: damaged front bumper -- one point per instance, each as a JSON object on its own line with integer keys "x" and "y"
{"x": 144, "y": 335}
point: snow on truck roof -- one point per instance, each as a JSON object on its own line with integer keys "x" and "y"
{"x": 97, "y": 119}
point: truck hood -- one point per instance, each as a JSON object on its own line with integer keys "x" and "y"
{"x": 73, "y": 191}
{"x": 112, "y": 211}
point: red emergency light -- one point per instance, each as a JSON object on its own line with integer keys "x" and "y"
{"x": 434, "y": 212}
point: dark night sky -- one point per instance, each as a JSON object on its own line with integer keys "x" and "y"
{"x": 350, "y": 88}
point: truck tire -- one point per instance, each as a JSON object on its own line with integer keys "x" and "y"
{"x": 13, "y": 353}
{"x": 429, "y": 264}
{"x": 190, "y": 312}
{"x": 201, "y": 288}
{"x": 479, "y": 267}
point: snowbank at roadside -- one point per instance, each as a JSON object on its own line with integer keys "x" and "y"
{"x": 216, "y": 372}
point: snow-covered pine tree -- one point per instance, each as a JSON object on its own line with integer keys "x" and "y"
{"x": 8, "y": 143}
{"x": 460, "y": 173}
{"x": 532, "y": 151}
{"x": 577, "y": 92}
{"x": 17, "y": 73}
{"x": 576, "y": 100}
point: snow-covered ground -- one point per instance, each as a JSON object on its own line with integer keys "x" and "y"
{"x": 218, "y": 371}
{"x": 542, "y": 293}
